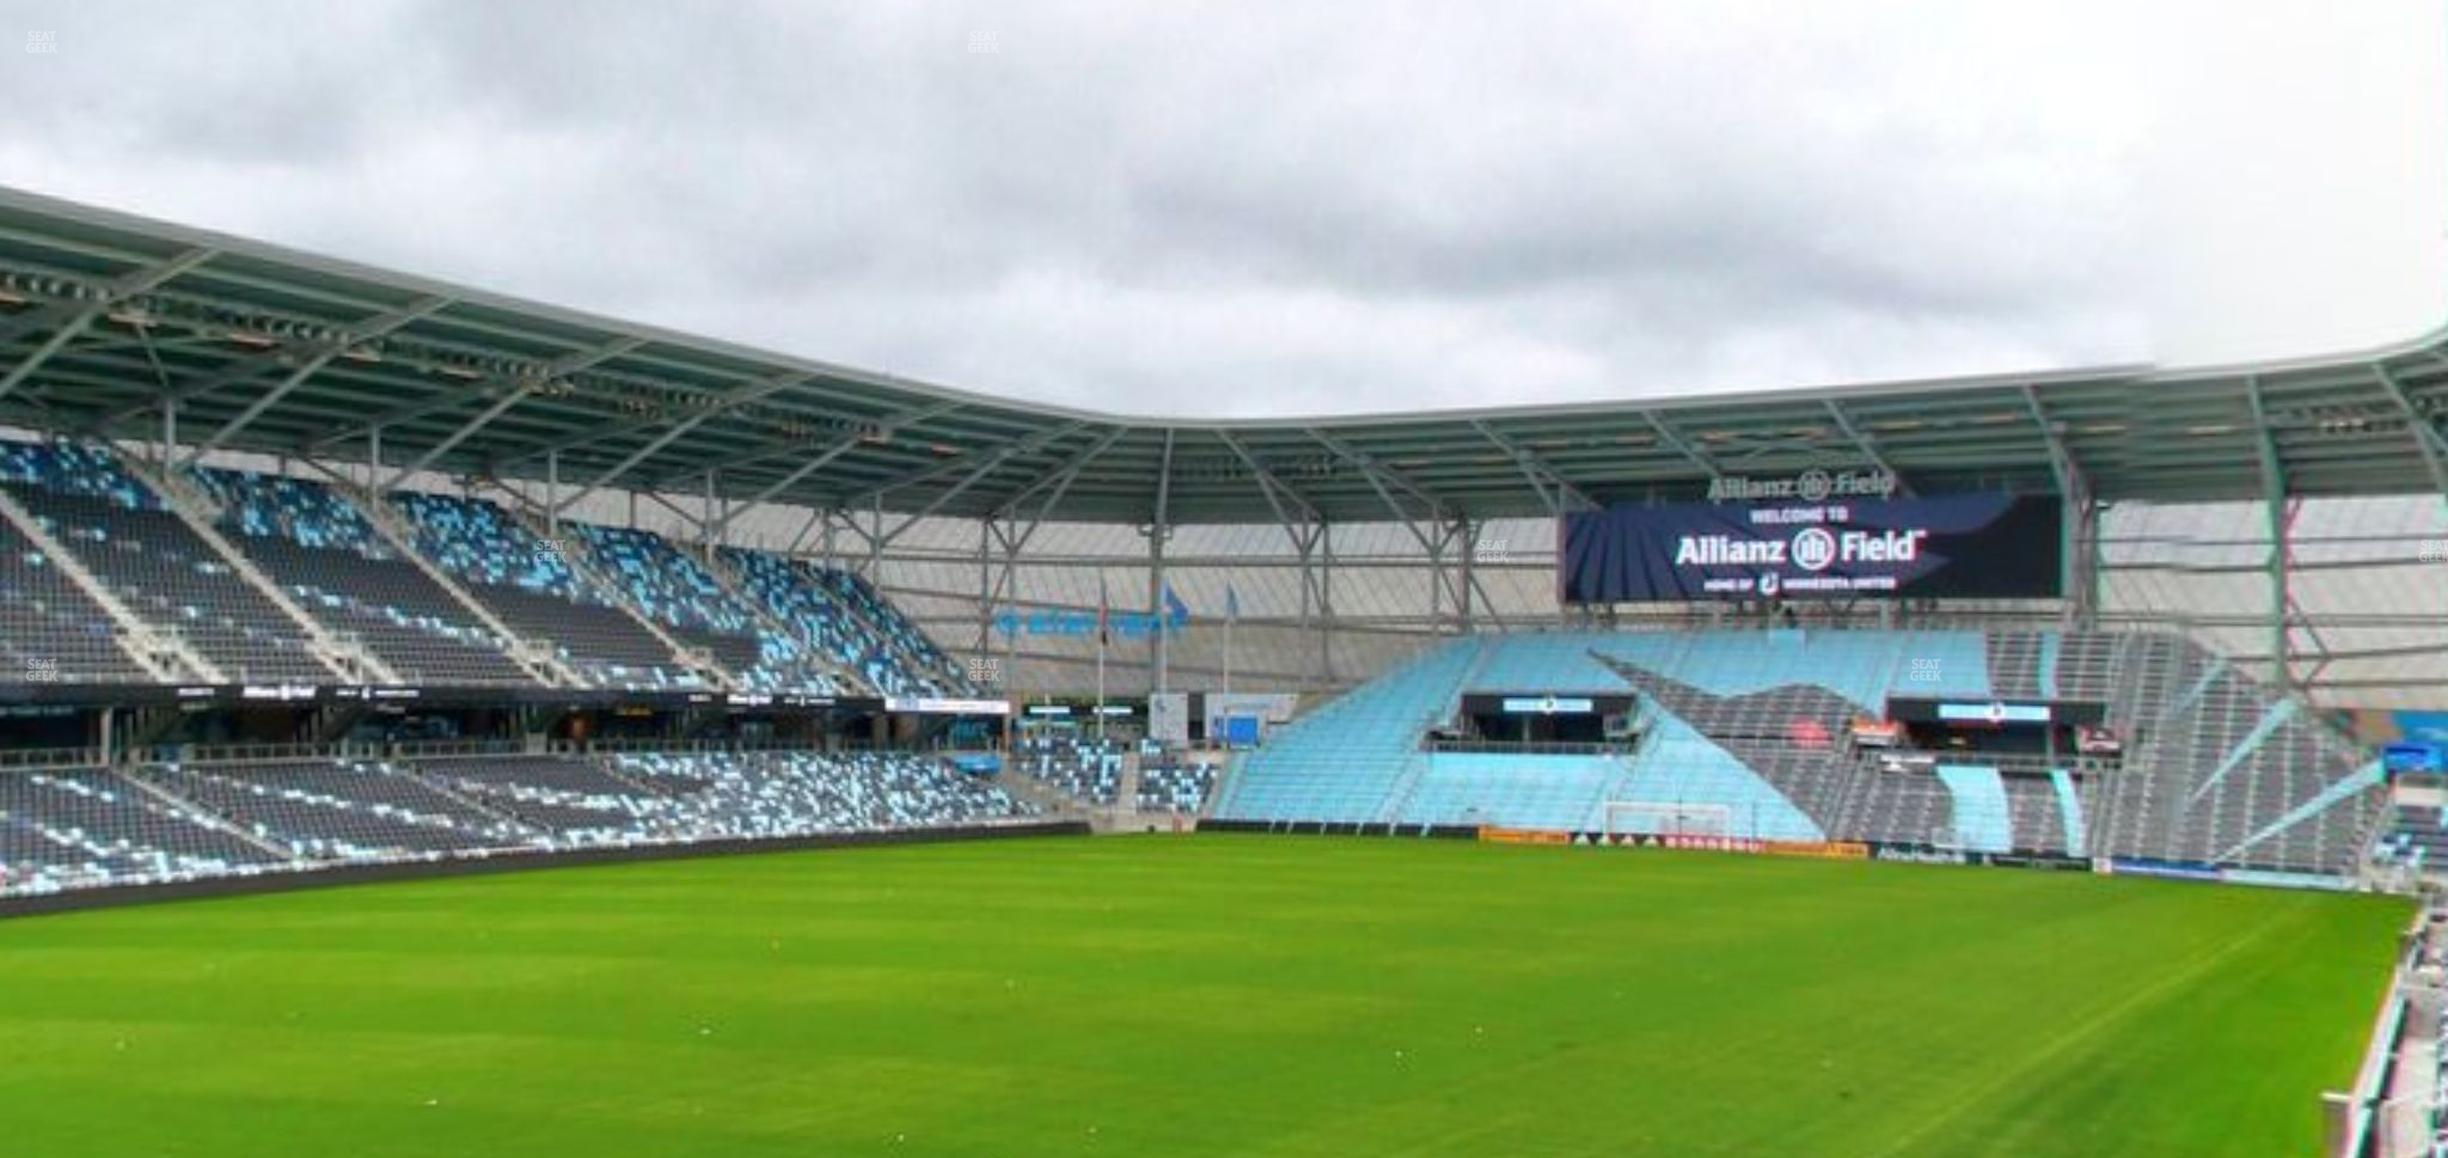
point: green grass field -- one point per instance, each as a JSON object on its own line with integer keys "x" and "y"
{"x": 1210, "y": 995}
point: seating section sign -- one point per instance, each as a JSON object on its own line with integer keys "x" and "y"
{"x": 1970, "y": 546}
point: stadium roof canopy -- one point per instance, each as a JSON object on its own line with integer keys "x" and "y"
{"x": 106, "y": 317}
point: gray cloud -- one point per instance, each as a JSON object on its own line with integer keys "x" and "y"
{"x": 1216, "y": 209}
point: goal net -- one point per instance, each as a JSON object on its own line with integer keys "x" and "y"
{"x": 1651, "y": 818}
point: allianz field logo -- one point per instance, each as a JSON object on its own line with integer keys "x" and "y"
{"x": 1814, "y": 549}
{"x": 1810, "y": 486}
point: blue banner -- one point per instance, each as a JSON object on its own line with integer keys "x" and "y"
{"x": 2427, "y": 727}
{"x": 1123, "y": 624}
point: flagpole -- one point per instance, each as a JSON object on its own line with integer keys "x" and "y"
{"x": 1104, "y": 612}
{"x": 1228, "y": 630}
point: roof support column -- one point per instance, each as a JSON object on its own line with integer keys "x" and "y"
{"x": 1160, "y": 528}
{"x": 1466, "y": 536}
{"x": 2278, "y": 520}
{"x": 875, "y": 544}
{"x": 2079, "y": 523}
{"x": 552, "y": 493}
{"x": 2084, "y": 564}
{"x": 985, "y": 606}
{"x": 1326, "y": 611}
{"x": 1010, "y": 672}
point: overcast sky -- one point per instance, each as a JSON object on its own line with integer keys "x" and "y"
{"x": 1244, "y": 208}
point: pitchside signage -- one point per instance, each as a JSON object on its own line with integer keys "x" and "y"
{"x": 1975, "y": 546}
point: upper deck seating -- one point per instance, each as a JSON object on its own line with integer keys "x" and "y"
{"x": 320, "y": 548}
{"x": 531, "y": 586}
{"x": 156, "y": 564}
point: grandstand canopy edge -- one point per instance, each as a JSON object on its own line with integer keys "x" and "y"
{"x": 120, "y": 327}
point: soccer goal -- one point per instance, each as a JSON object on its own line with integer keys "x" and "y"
{"x": 1651, "y": 818}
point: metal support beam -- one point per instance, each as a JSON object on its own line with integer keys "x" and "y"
{"x": 2274, "y": 504}
{"x": 1061, "y": 477}
{"x": 1378, "y": 476}
{"x": 318, "y": 355}
{"x": 74, "y": 317}
{"x": 710, "y": 406}
{"x": 1276, "y": 493}
{"x": 1534, "y": 468}
{"x": 247, "y": 417}
{"x": 434, "y": 453}
{"x": 1270, "y": 487}
{"x": 625, "y": 465}
{"x": 82, "y": 312}
{"x": 2428, "y": 440}
{"x": 881, "y": 429}
{"x": 1159, "y": 529}
{"x": 535, "y": 378}
{"x": 994, "y": 458}
{"x": 1378, "y": 473}
{"x": 1326, "y": 610}
{"x": 1867, "y": 446}
{"x": 986, "y": 590}
{"x": 58, "y": 341}
{"x": 1466, "y": 535}
{"x": 811, "y": 466}
{"x": 1680, "y": 445}
{"x": 687, "y": 518}
{"x": 2079, "y": 535}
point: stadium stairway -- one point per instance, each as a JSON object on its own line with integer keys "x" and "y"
{"x": 1126, "y": 789}
{"x": 1037, "y": 792}
{"x": 683, "y": 656}
{"x": 348, "y": 661}
{"x": 174, "y": 803}
{"x": 538, "y": 659}
{"x": 317, "y": 546}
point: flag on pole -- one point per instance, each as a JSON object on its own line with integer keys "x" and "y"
{"x": 1104, "y": 613}
{"x": 1176, "y": 613}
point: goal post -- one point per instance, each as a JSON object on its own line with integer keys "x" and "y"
{"x": 1657, "y": 818}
